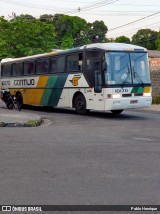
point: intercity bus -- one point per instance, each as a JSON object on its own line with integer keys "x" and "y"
{"x": 100, "y": 76}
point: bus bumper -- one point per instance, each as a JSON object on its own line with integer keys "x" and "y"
{"x": 128, "y": 103}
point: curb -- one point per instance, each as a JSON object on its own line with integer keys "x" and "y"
{"x": 29, "y": 123}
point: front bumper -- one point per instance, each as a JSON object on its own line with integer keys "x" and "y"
{"x": 128, "y": 103}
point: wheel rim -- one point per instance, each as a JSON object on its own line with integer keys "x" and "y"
{"x": 19, "y": 101}
{"x": 80, "y": 105}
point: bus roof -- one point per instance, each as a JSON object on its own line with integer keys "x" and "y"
{"x": 115, "y": 46}
{"x": 103, "y": 46}
{"x": 54, "y": 51}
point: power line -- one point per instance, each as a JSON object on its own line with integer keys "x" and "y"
{"x": 119, "y": 13}
{"x": 34, "y": 6}
{"x": 63, "y": 10}
{"x": 139, "y": 28}
{"x": 93, "y": 6}
{"x": 134, "y": 21}
{"x": 140, "y": 5}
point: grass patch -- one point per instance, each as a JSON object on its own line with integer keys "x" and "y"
{"x": 34, "y": 123}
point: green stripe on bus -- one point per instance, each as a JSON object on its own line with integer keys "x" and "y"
{"x": 137, "y": 90}
{"x": 51, "y": 96}
{"x": 48, "y": 90}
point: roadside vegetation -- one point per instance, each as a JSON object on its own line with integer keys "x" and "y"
{"x": 25, "y": 35}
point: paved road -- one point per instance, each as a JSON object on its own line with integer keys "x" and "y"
{"x": 95, "y": 159}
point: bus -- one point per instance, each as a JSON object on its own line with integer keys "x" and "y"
{"x": 101, "y": 76}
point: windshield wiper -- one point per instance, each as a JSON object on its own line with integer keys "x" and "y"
{"x": 137, "y": 76}
{"x": 126, "y": 79}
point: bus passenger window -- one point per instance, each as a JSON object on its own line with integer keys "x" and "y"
{"x": 73, "y": 62}
{"x": 90, "y": 55}
{"x": 53, "y": 65}
{"x": 29, "y": 68}
{"x": 80, "y": 65}
{"x": 6, "y": 70}
{"x": 61, "y": 63}
{"x": 14, "y": 69}
{"x": 19, "y": 69}
{"x": 42, "y": 66}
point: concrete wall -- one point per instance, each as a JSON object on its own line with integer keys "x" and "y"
{"x": 155, "y": 80}
{"x": 154, "y": 64}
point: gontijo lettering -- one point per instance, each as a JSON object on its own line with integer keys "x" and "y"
{"x": 24, "y": 82}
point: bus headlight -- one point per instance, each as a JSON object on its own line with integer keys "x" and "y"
{"x": 114, "y": 96}
{"x": 147, "y": 94}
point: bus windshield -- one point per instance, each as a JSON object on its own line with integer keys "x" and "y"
{"x": 126, "y": 68}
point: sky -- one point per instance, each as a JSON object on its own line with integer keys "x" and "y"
{"x": 122, "y": 17}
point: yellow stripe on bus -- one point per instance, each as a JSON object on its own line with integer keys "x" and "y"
{"x": 147, "y": 89}
{"x": 34, "y": 96}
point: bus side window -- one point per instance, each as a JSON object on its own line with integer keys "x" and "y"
{"x": 6, "y": 70}
{"x": 74, "y": 62}
{"x": 29, "y": 68}
{"x": 61, "y": 64}
{"x": 2, "y": 70}
{"x": 80, "y": 62}
{"x": 53, "y": 65}
{"x": 14, "y": 69}
{"x": 42, "y": 66}
{"x": 17, "y": 69}
{"x": 97, "y": 77}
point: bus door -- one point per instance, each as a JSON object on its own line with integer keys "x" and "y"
{"x": 98, "y": 98}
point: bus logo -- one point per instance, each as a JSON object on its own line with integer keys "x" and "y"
{"x": 74, "y": 81}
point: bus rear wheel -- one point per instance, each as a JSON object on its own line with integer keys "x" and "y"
{"x": 80, "y": 104}
{"x": 116, "y": 112}
{"x": 19, "y": 101}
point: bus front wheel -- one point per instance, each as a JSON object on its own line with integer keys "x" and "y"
{"x": 80, "y": 104}
{"x": 116, "y": 111}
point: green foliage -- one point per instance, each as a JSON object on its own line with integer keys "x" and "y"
{"x": 26, "y": 16}
{"x": 145, "y": 38}
{"x": 67, "y": 42}
{"x": 73, "y": 27}
{"x": 47, "y": 18}
{"x": 157, "y": 42}
{"x": 122, "y": 39}
{"x": 23, "y": 37}
{"x": 100, "y": 30}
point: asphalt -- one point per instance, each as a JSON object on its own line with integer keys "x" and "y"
{"x": 15, "y": 118}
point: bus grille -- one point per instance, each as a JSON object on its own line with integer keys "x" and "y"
{"x": 138, "y": 94}
{"x": 126, "y": 95}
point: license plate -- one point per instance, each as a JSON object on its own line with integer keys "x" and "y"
{"x": 133, "y": 101}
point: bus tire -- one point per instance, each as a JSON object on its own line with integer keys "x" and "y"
{"x": 116, "y": 112}
{"x": 80, "y": 104}
{"x": 19, "y": 101}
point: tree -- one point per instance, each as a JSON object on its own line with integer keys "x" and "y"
{"x": 122, "y": 39}
{"x": 97, "y": 31}
{"x": 71, "y": 29}
{"x": 48, "y": 18}
{"x": 26, "y": 16}
{"x": 157, "y": 41}
{"x": 20, "y": 37}
{"x": 4, "y": 36}
{"x": 145, "y": 38}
